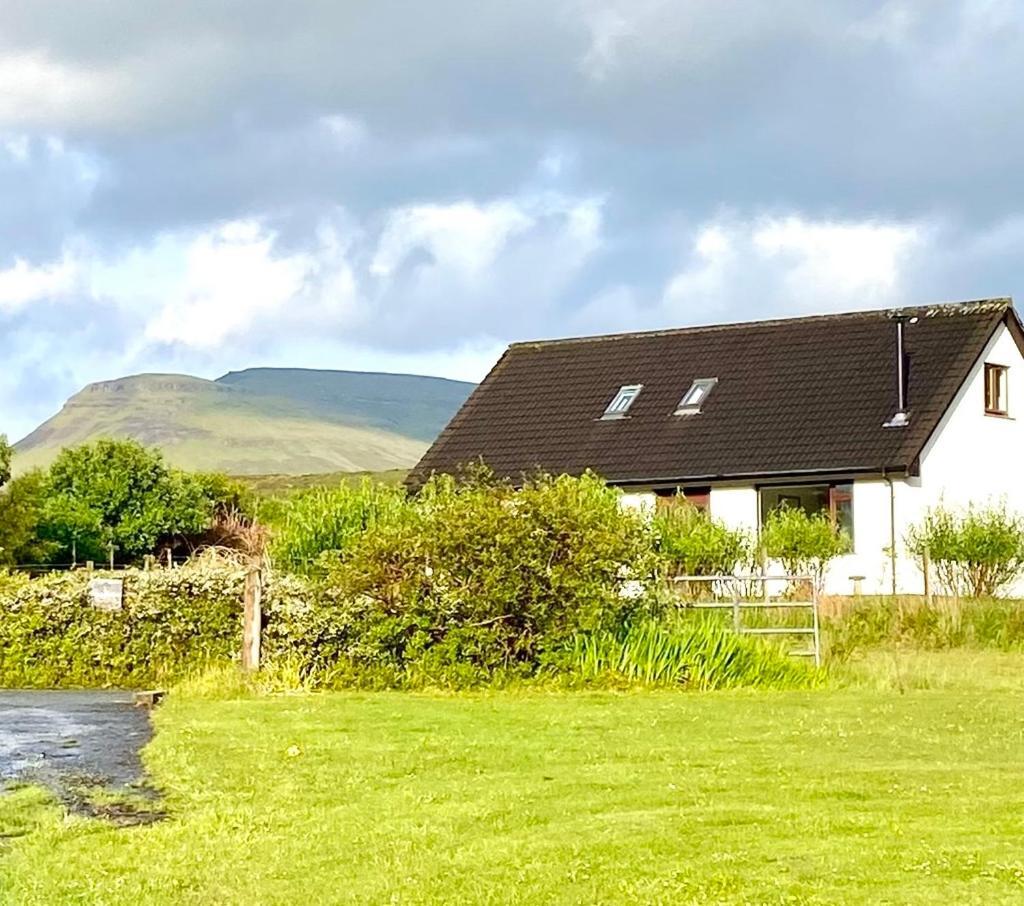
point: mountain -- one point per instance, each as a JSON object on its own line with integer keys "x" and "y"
{"x": 288, "y": 421}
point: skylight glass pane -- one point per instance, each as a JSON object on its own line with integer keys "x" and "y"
{"x": 695, "y": 396}
{"x": 622, "y": 401}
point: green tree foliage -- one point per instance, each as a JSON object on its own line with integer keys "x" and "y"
{"x": 692, "y": 543}
{"x": 805, "y": 543}
{"x": 5, "y": 460}
{"x": 119, "y": 492}
{"x": 21, "y": 512}
{"x": 976, "y": 552}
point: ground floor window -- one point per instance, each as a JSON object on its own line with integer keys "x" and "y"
{"x": 698, "y": 497}
{"x": 834, "y": 499}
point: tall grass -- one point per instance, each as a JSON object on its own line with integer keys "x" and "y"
{"x": 699, "y": 653}
{"x": 326, "y": 520}
{"x": 945, "y": 623}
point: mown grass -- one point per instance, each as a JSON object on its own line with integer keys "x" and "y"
{"x": 871, "y": 791}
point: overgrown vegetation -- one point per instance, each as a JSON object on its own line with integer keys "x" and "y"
{"x": 804, "y": 543}
{"x": 694, "y": 652}
{"x": 109, "y": 496}
{"x": 5, "y": 460}
{"x": 690, "y": 542}
{"x": 325, "y": 522}
{"x": 913, "y": 623}
{"x": 976, "y": 552}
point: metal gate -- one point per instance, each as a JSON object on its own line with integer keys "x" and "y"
{"x": 737, "y": 598}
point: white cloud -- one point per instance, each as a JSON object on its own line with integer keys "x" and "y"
{"x": 39, "y": 91}
{"x": 22, "y": 284}
{"x": 231, "y": 280}
{"x": 464, "y": 236}
{"x": 842, "y": 258}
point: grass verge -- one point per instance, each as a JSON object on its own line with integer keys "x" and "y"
{"x": 860, "y": 794}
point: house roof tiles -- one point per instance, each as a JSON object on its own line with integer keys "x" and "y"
{"x": 795, "y": 396}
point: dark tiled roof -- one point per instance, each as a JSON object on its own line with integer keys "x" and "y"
{"x": 793, "y": 396}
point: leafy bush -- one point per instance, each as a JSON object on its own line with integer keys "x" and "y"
{"x": 5, "y": 460}
{"x": 173, "y": 621}
{"x": 479, "y": 577}
{"x": 975, "y": 553}
{"x": 324, "y": 521}
{"x": 697, "y": 653}
{"x": 804, "y": 543}
{"x": 689, "y": 542}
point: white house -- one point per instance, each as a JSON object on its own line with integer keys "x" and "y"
{"x": 872, "y": 417}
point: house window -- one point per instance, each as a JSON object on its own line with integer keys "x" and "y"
{"x": 836, "y": 500}
{"x": 695, "y": 396}
{"x": 995, "y": 389}
{"x": 700, "y": 497}
{"x": 622, "y": 400}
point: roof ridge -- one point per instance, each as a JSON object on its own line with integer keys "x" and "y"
{"x": 938, "y": 309}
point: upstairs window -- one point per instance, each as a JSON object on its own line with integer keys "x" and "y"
{"x": 695, "y": 396}
{"x": 622, "y": 400}
{"x": 995, "y": 389}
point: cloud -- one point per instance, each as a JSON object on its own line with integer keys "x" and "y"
{"x": 23, "y": 284}
{"x": 200, "y": 186}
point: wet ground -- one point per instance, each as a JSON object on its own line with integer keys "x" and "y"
{"x": 72, "y": 741}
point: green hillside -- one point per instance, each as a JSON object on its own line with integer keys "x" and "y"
{"x": 259, "y": 422}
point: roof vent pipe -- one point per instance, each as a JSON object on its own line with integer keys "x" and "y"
{"x": 901, "y": 419}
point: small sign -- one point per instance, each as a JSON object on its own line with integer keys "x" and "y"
{"x": 106, "y": 594}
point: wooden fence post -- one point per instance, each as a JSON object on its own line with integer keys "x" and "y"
{"x": 252, "y": 618}
{"x": 926, "y": 567}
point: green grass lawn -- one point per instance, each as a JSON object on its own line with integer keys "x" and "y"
{"x": 853, "y": 794}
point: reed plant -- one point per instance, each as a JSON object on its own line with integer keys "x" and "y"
{"x": 698, "y": 653}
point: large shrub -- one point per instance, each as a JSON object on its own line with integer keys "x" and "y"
{"x": 690, "y": 542}
{"x": 976, "y": 552}
{"x": 804, "y": 543}
{"x": 476, "y": 577}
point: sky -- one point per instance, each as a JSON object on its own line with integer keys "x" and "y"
{"x": 202, "y": 186}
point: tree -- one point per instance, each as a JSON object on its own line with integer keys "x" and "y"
{"x": 21, "y": 515}
{"x": 5, "y": 460}
{"x": 805, "y": 543}
{"x": 117, "y": 492}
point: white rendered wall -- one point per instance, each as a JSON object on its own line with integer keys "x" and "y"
{"x": 640, "y": 501}
{"x": 736, "y": 507}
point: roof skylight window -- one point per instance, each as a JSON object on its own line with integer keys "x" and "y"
{"x": 622, "y": 400}
{"x": 695, "y": 396}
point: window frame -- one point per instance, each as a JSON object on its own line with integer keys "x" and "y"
{"x": 706, "y": 386}
{"x": 836, "y": 493}
{"x": 622, "y": 402}
{"x": 1002, "y": 376}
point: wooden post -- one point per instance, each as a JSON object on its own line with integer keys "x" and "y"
{"x": 252, "y": 618}
{"x": 926, "y": 566}
{"x": 111, "y": 554}
{"x": 170, "y": 559}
